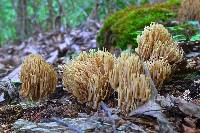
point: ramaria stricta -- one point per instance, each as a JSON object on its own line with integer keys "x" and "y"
{"x": 156, "y": 47}
{"x": 86, "y": 77}
{"x": 89, "y": 76}
{"x": 38, "y": 78}
{"x": 128, "y": 80}
{"x": 159, "y": 52}
{"x": 156, "y": 42}
{"x": 160, "y": 71}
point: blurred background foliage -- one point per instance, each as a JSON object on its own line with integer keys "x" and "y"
{"x": 20, "y": 19}
{"x": 187, "y": 31}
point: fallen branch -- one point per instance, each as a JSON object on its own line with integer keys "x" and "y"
{"x": 154, "y": 91}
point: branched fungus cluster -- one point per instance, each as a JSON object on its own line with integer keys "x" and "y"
{"x": 170, "y": 52}
{"x": 156, "y": 42}
{"x": 160, "y": 70}
{"x": 189, "y": 10}
{"x": 160, "y": 52}
{"x": 153, "y": 34}
{"x": 38, "y": 78}
{"x": 87, "y": 77}
{"x": 92, "y": 77}
{"x": 128, "y": 80}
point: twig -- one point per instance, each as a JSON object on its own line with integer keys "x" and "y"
{"x": 61, "y": 122}
{"x": 106, "y": 108}
{"x": 156, "y": 110}
{"x": 154, "y": 91}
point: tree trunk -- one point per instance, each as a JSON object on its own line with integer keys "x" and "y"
{"x": 151, "y": 1}
{"x": 94, "y": 13}
{"x": 58, "y": 19}
{"x": 138, "y": 2}
{"x": 51, "y": 18}
{"x": 110, "y": 6}
{"x": 21, "y": 27}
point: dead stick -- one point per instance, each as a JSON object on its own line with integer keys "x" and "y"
{"x": 154, "y": 91}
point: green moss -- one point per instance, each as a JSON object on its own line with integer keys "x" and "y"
{"x": 122, "y": 28}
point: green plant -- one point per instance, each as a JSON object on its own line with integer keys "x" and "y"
{"x": 7, "y": 17}
{"x": 195, "y": 37}
{"x": 187, "y": 31}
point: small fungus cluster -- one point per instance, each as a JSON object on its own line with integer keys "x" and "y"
{"x": 156, "y": 42}
{"x": 128, "y": 80}
{"x": 38, "y": 78}
{"x": 87, "y": 77}
{"x": 160, "y": 71}
{"x": 160, "y": 52}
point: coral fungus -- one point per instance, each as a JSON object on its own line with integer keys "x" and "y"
{"x": 150, "y": 36}
{"x": 86, "y": 77}
{"x": 159, "y": 52}
{"x": 127, "y": 79}
{"x": 38, "y": 78}
{"x": 156, "y": 42}
{"x": 160, "y": 70}
{"x": 172, "y": 53}
{"x": 125, "y": 65}
{"x": 89, "y": 75}
{"x": 189, "y": 10}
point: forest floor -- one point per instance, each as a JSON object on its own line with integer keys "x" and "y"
{"x": 179, "y": 98}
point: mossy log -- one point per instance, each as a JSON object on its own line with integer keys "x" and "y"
{"x": 121, "y": 29}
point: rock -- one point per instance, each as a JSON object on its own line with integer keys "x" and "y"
{"x": 22, "y": 123}
{"x": 28, "y": 127}
{"x": 85, "y": 124}
{"x": 2, "y": 97}
{"x": 10, "y": 92}
{"x": 48, "y": 125}
{"x": 165, "y": 101}
{"x": 192, "y": 54}
{"x": 83, "y": 115}
{"x": 89, "y": 124}
{"x": 41, "y": 130}
{"x": 2, "y": 66}
{"x": 190, "y": 109}
{"x": 131, "y": 128}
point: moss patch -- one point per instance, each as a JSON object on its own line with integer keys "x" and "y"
{"x": 122, "y": 28}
